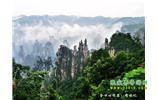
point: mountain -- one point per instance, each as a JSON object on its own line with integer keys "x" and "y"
{"x": 50, "y": 20}
{"x": 66, "y": 30}
{"x": 132, "y": 28}
{"x": 131, "y": 20}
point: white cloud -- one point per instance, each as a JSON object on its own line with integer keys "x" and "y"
{"x": 95, "y": 34}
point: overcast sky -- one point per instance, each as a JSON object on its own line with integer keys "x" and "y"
{"x": 108, "y": 8}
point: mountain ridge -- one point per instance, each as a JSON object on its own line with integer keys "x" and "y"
{"x": 48, "y": 20}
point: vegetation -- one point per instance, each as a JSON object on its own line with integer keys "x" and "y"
{"x": 94, "y": 80}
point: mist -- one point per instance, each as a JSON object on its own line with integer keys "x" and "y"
{"x": 95, "y": 34}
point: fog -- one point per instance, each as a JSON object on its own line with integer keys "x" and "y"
{"x": 56, "y": 34}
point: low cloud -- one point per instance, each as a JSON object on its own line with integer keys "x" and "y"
{"x": 95, "y": 34}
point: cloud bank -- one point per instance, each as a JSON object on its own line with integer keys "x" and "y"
{"x": 95, "y": 34}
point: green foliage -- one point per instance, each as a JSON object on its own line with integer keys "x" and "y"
{"x": 18, "y": 69}
{"x": 98, "y": 54}
{"x": 99, "y": 71}
{"x": 29, "y": 88}
{"x": 127, "y": 63}
{"x": 102, "y": 88}
{"x": 101, "y": 68}
{"x": 121, "y": 41}
{"x": 135, "y": 73}
{"x": 81, "y": 86}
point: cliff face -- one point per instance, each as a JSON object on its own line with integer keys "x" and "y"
{"x": 71, "y": 62}
{"x": 63, "y": 63}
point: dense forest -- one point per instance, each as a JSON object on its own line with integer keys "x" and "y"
{"x": 88, "y": 78}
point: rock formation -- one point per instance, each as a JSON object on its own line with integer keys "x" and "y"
{"x": 69, "y": 62}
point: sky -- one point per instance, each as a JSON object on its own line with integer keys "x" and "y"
{"x": 107, "y": 8}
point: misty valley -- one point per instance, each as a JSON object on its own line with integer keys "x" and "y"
{"x": 78, "y": 58}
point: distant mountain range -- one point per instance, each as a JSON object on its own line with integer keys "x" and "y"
{"x": 50, "y": 20}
